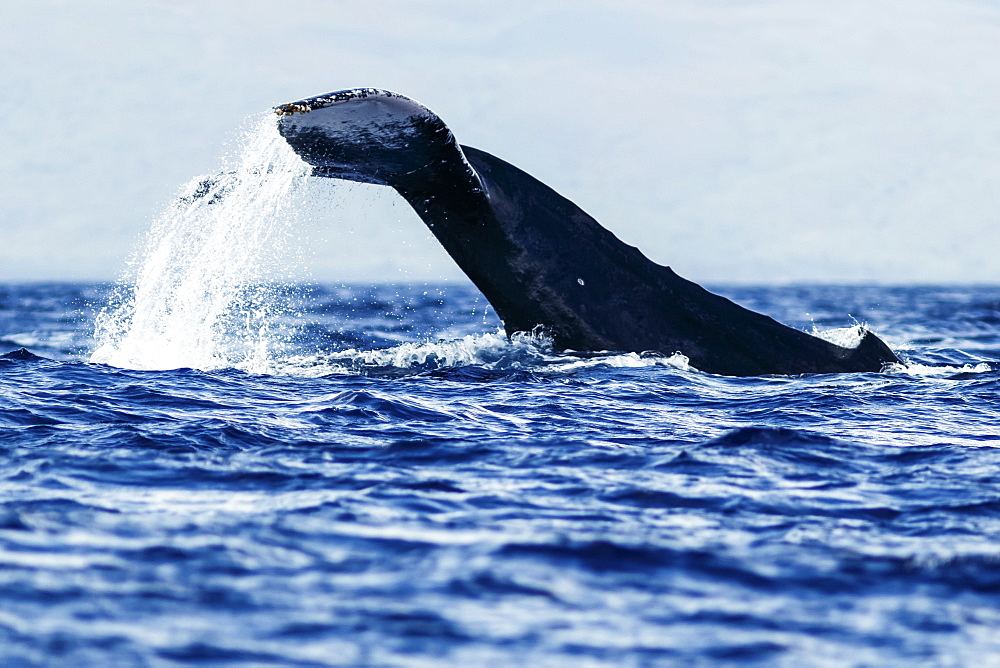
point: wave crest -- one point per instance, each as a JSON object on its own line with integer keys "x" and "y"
{"x": 492, "y": 351}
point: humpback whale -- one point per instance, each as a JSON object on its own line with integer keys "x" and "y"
{"x": 539, "y": 259}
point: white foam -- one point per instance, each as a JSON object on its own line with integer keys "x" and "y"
{"x": 932, "y": 371}
{"x": 491, "y": 350}
{"x": 628, "y": 360}
{"x": 845, "y": 337}
{"x": 198, "y": 294}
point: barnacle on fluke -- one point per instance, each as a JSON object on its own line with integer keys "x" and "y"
{"x": 292, "y": 108}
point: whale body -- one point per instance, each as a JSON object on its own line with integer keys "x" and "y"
{"x": 539, "y": 259}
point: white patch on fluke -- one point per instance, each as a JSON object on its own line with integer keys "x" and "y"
{"x": 198, "y": 294}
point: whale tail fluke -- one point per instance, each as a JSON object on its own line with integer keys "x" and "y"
{"x": 538, "y": 258}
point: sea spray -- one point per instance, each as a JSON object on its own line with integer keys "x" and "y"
{"x": 199, "y": 293}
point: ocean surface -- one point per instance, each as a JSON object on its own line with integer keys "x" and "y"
{"x": 207, "y": 462}
{"x": 404, "y": 486}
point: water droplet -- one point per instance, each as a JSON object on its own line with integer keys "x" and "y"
{"x": 198, "y": 295}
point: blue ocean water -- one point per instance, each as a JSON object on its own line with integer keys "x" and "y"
{"x": 401, "y": 485}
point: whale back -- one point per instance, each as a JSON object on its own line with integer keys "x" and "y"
{"x": 595, "y": 292}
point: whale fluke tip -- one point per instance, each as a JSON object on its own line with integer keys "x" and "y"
{"x": 292, "y": 108}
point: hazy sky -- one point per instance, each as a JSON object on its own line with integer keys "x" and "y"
{"x": 735, "y": 140}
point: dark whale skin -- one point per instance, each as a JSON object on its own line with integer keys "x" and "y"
{"x": 539, "y": 259}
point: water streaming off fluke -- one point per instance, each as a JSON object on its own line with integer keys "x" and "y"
{"x": 199, "y": 292}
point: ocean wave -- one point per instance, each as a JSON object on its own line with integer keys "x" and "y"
{"x": 417, "y": 488}
{"x": 492, "y": 351}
